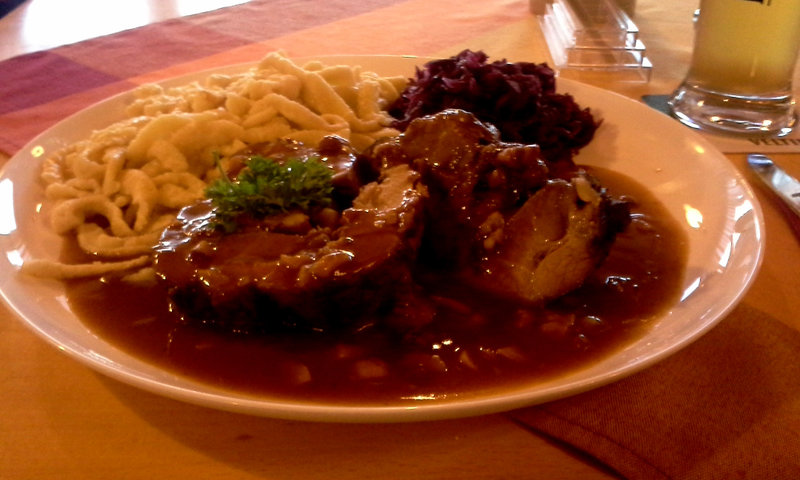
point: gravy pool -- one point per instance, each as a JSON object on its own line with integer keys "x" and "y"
{"x": 480, "y": 343}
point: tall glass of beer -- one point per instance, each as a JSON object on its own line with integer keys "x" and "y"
{"x": 740, "y": 78}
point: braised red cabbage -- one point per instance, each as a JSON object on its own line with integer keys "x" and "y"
{"x": 518, "y": 98}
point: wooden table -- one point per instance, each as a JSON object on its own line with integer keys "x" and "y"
{"x": 61, "y": 420}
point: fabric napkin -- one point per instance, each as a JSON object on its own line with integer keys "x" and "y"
{"x": 725, "y": 407}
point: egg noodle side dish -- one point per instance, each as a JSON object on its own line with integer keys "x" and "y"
{"x": 117, "y": 190}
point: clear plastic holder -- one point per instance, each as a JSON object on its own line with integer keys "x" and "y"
{"x": 593, "y": 39}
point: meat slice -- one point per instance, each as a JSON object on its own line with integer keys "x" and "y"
{"x": 299, "y": 270}
{"x": 552, "y": 243}
{"x": 513, "y": 222}
{"x": 470, "y": 175}
{"x": 446, "y": 195}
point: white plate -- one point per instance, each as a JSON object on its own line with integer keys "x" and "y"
{"x": 683, "y": 170}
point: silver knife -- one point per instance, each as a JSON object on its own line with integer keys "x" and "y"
{"x": 784, "y": 185}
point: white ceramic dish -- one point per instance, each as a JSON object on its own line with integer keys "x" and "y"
{"x": 696, "y": 182}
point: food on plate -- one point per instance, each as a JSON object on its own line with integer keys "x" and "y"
{"x": 451, "y": 339}
{"x": 519, "y": 224}
{"x": 494, "y": 213}
{"x": 309, "y": 264}
{"x": 519, "y": 98}
{"x": 118, "y": 189}
{"x": 279, "y": 232}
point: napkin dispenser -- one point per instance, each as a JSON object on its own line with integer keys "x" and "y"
{"x": 592, "y": 38}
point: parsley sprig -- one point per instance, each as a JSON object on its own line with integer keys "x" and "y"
{"x": 265, "y": 187}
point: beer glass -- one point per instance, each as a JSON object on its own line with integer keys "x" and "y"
{"x": 740, "y": 78}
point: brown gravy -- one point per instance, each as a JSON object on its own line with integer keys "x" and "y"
{"x": 483, "y": 343}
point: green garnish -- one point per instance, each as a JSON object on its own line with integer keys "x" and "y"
{"x": 265, "y": 187}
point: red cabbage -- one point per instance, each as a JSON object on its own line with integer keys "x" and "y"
{"x": 519, "y": 99}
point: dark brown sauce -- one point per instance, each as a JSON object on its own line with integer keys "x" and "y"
{"x": 483, "y": 343}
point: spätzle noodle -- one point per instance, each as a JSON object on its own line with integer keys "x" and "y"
{"x": 64, "y": 271}
{"x": 118, "y": 189}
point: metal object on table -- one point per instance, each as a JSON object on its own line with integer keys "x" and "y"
{"x": 786, "y": 187}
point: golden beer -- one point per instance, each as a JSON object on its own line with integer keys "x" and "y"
{"x": 740, "y": 79}
{"x": 746, "y": 47}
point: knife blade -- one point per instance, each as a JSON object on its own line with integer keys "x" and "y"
{"x": 786, "y": 187}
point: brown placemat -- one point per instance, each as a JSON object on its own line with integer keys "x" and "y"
{"x": 725, "y": 407}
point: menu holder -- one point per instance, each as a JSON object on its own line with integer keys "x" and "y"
{"x": 593, "y": 38}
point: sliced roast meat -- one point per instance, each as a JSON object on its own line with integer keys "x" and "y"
{"x": 513, "y": 222}
{"x": 446, "y": 195}
{"x": 551, "y": 244}
{"x": 470, "y": 174}
{"x": 310, "y": 271}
